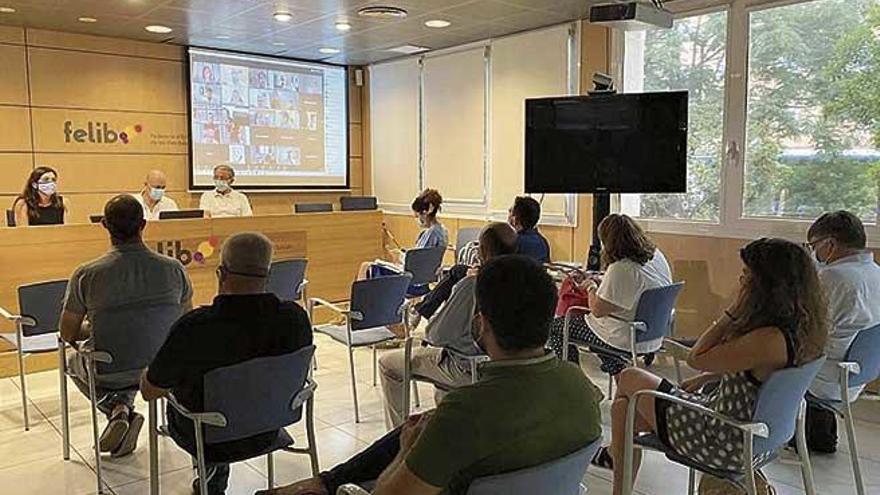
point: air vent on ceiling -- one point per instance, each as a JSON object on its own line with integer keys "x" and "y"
{"x": 383, "y": 12}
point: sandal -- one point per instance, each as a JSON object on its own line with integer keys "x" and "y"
{"x": 603, "y": 459}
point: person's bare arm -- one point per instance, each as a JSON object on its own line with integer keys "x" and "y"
{"x": 404, "y": 482}
{"x": 71, "y": 327}
{"x": 762, "y": 347}
{"x": 150, "y": 391}
{"x": 600, "y": 307}
{"x": 21, "y": 217}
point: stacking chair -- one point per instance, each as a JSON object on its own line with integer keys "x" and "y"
{"x": 653, "y": 320}
{"x": 279, "y": 387}
{"x": 36, "y": 327}
{"x": 860, "y": 367}
{"x": 10, "y": 218}
{"x": 124, "y": 342}
{"x": 779, "y": 413}
{"x": 464, "y": 237}
{"x": 375, "y": 304}
{"x": 424, "y": 266}
{"x": 287, "y": 280}
{"x": 563, "y": 476}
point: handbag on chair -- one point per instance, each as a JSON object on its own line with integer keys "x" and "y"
{"x": 710, "y": 485}
{"x": 570, "y": 294}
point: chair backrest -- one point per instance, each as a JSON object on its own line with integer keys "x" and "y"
{"x": 655, "y": 311}
{"x": 10, "y": 218}
{"x": 560, "y": 477}
{"x": 865, "y": 350}
{"x": 378, "y": 300}
{"x": 465, "y": 236}
{"x": 43, "y": 302}
{"x": 355, "y": 203}
{"x": 270, "y": 382}
{"x": 423, "y": 264}
{"x": 132, "y": 334}
{"x": 286, "y": 278}
{"x": 312, "y": 207}
{"x": 778, "y": 402}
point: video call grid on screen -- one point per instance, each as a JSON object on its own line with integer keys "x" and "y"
{"x": 281, "y": 124}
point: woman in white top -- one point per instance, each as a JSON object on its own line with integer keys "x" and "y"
{"x": 632, "y": 265}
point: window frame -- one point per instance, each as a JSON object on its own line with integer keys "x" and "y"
{"x": 732, "y": 222}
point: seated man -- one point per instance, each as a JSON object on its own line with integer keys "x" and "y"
{"x": 245, "y": 322}
{"x": 152, "y": 197}
{"x": 449, "y": 329}
{"x": 524, "y": 216}
{"x": 851, "y": 281}
{"x": 224, "y": 201}
{"x": 529, "y": 408}
{"x": 129, "y": 274}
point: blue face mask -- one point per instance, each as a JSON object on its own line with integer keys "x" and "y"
{"x": 222, "y": 185}
{"x": 157, "y": 193}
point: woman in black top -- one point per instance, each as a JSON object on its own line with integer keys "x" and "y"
{"x": 39, "y": 203}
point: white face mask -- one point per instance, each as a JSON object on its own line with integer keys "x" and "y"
{"x": 157, "y": 193}
{"x": 222, "y": 185}
{"x": 47, "y": 188}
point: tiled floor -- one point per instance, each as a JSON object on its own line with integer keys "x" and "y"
{"x": 31, "y": 462}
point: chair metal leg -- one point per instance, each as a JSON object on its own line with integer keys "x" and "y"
{"x": 375, "y": 361}
{"x": 21, "y": 379}
{"x": 415, "y": 391}
{"x": 853, "y": 448}
{"x": 677, "y": 369}
{"x": 748, "y": 464}
{"x": 692, "y": 481}
{"x": 610, "y": 387}
{"x": 354, "y": 391}
{"x": 65, "y": 407}
{"x": 310, "y": 434}
{"x": 200, "y": 459}
{"x": 314, "y": 363}
{"x": 803, "y": 451}
{"x": 94, "y": 406}
{"x": 152, "y": 407}
{"x": 270, "y": 470}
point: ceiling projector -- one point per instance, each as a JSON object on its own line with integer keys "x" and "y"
{"x": 630, "y": 16}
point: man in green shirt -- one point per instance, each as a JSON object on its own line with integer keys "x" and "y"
{"x": 529, "y": 408}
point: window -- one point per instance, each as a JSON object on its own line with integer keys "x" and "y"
{"x": 811, "y": 134}
{"x": 784, "y": 113}
{"x": 690, "y": 56}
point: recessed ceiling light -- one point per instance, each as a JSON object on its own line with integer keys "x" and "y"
{"x": 87, "y": 19}
{"x": 282, "y": 16}
{"x": 343, "y": 26}
{"x": 329, "y": 51}
{"x": 7, "y": 10}
{"x": 278, "y": 43}
{"x": 156, "y": 28}
{"x": 382, "y": 12}
{"x": 437, "y": 23}
{"x": 222, "y": 37}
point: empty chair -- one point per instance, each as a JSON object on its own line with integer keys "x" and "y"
{"x": 563, "y": 476}
{"x": 464, "y": 236}
{"x": 860, "y": 367}
{"x": 375, "y": 304}
{"x": 287, "y": 279}
{"x": 116, "y": 356}
{"x": 652, "y": 322}
{"x": 356, "y": 203}
{"x": 36, "y": 327}
{"x": 779, "y": 414}
{"x": 312, "y": 207}
{"x": 10, "y": 218}
{"x": 279, "y": 384}
{"x": 424, "y": 265}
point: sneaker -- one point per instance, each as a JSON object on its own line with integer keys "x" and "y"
{"x": 130, "y": 440}
{"x": 114, "y": 432}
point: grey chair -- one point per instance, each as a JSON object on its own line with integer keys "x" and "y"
{"x": 464, "y": 236}
{"x": 424, "y": 266}
{"x": 563, "y": 476}
{"x": 653, "y": 321}
{"x": 779, "y": 414}
{"x": 280, "y": 385}
{"x": 10, "y": 218}
{"x": 860, "y": 367}
{"x": 375, "y": 304}
{"x": 124, "y": 341}
{"x": 287, "y": 279}
{"x": 36, "y": 327}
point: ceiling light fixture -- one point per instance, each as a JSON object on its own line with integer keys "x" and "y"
{"x": 282, "y": 16}
{"x": 7, "y": 10}
{"x": 329, "y": 51}
{"x": 222, "y": 37}
{"x": 159, "y": 29}
{"x": 383, "y": 12}
{"x": 278, "y": 43}
{"x": 343, "y": 26}
{"x": 408, "y": 49}
{"x": 87, "y": 20}
{"x": 438, "y": 23}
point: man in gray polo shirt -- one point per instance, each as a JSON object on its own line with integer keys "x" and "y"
{"x": 129, "y": 274}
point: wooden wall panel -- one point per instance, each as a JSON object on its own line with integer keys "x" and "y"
{"x": 12, "y": 35}
{"x": 13, "y": 76}
{"x": 109, "y": 173}
{"x": 355, "y": 141}
{"x": 69, "y": 79}
{"x": 14, "y": 169}
{"x": 15, "y": 123}
{"x": 101, "y": 44}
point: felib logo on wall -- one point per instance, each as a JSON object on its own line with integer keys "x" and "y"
{"x": 99, "y": 133}
{"x": 176, "y": 250}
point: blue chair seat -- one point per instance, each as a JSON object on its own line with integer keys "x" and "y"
{"x": 46, "y": 342}
{"x": 360, "y": 338}
{"x": 652, "y": 442}
{"x": 281, "y": 441}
